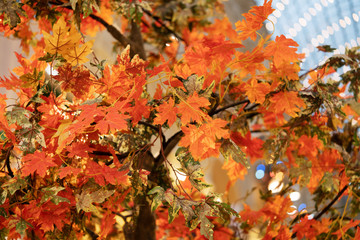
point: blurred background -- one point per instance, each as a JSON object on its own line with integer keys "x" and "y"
{"x": 310, "y": 23}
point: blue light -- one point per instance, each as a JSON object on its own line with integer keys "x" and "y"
{"x": 260, "y": 167}
{"x": 259, "y": 174}
{"x": 301, "y": 207}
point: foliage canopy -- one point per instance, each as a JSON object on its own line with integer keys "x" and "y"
{"x": 78, "y": 154}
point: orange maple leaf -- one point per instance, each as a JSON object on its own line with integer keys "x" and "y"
{"x": 190, "y": 109}
{"x": 283, "y": 50}
{"x": 234, "y": 170}
{"x": 255, "y": 91}
{"x": 310, "y": 228}
{"x": 253, "y": 20}
{"x": 286, "y": 102}
{"x": 166, "y": 112}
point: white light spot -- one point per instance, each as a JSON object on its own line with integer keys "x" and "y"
{"x": 355, "y": 17}
{"x": 297, "y": 27}
{"x": 292, "y": 32}
{"x": 336, "y": 51}
{"x": 272, "y": 19}
{"x": 312, "y": 11}
{"x": 353, "y": 43}
{"x": 330, "y": 30}
{"x": 277, "y": 13}
{"x": 275, "y": 186}
{"x": 294, "y": 210}
{"x": 314, "y": 42}
{"x": 325, "y": 33}
{"x": 269, "y": 26}
{"x": 331, "y": 1}
{"x": 280, "y": 6}
{"x": 180, "y": 175}
{"x": 347, "y": 45}
{"x": 307, "y": 16}
{"x": 347, "y": 20}
{"x": 259, "y": 174}
{"x": 294, "y": 196}
{"x": 342, "y": 23}
{"x": 49, "y": 70}
{"x": 302, "y": 22}
{"x": 324, "y": 3}
{"x": 167, "y": 44}
{"x": 320, "y": 39}
{"x": 286, "y": 2}
{"x": 358, "y": 40}
{"x": 336, "y": 27}
{"x": 311, "y": 216}
{"x": 318, "y": 7}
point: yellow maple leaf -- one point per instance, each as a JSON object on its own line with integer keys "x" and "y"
{"x": 66, "y": 40}
{"x": 77, "y": 54}
{"x": 61, "y": 39}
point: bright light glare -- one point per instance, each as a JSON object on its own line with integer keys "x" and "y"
{"x": 275, "y": 186}
{"x": 259, "y": 174}
{"x": 294, "y": 196}
{"x": 293, "y": 208}
{"x": 180, "y": 175}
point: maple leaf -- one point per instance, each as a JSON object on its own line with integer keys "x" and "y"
{"x": 61, "y": 40}
{"x": 253, "y": 20}
{"x": 37, "y": 162}
{"x": 139, "y": 110}
{"x": 283, "y": 50}
{"x": 310, "y": 228}
{"x": 235, "y": 170}
{"x": 166, "y": 112}
{"x": 77, "y": 54}
{"x": 66, "y": 171}
{"x": 112, "y": 121}
{"x": 277, "y": 208}
{"x": 287, "y": 102}
{"x": 103, "y": 174}
{"x": 251, "y": 146}
{"x": 309, "y": 146}
{"x": 250, "y": 216}
{"x": 75, "y": 80}
{"x": 255, "y": 91}
{"x": 190, "y": 109}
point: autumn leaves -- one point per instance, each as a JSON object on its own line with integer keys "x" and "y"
{"x": 66, "y": 42}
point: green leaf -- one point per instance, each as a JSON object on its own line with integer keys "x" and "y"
{"x": 21, "y": 226}
{"x": 229, "y": 148}
{"x": 14, "y": 184}
{"x": 3, "y": 196}
{"x": 51, "y": 193}
{"x": 159, "y": 197}
{"x": 174, "y": 210}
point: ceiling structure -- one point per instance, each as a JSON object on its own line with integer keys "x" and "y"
{"x": 312, "y": 23}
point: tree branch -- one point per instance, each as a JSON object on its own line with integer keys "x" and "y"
{"x": 325, "y": 209}
{"x": 157, "y": 19}
{"x": 228, "y": 106}
{"x": 114, "y": 32}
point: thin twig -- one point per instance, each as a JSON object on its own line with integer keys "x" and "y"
{"x": 229, "y": 106}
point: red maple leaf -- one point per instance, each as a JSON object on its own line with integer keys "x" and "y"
{"x": 37, "y": 162}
